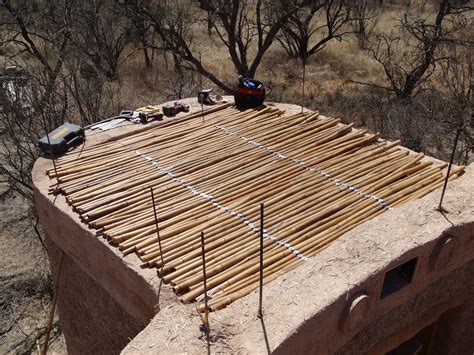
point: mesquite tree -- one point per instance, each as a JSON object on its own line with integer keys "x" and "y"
{"x": 246, "y": 28}
{"x": 309, "y": 29}
{"x": 409, "y": 57}
{"x": 139, "y": 26}
{"x": 457, "y": 100}
{"x": 100, "y": 35}
{"x": 365, "y": 16}
{"x": 37, "y": 41}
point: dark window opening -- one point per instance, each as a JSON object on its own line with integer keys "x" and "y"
{"x": 410, "y": 347}
{"x": 422, "y": 343}
{"x": 398, "y": 278}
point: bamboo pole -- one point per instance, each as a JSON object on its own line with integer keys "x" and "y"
{"x": 319, "y": 177}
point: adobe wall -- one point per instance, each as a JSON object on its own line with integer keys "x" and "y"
{"x": 108, "y": 303}
{"x": 91, "y": 320}
{"x": 305, "y": 310}
{"x": 104, "y": 299}
{"x": 379, "y": 325}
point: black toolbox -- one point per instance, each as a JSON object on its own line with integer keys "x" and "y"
{"x": 61, "y": 139}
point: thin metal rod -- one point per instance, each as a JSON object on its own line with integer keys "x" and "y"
{"x": 440, "y": 207}
{"x": 53, "y": 306}
{"x": 51, "y": 154}
{"x": 260, "y": 311}
{"x": 200, "y": 79}
{"x": 304, "y": 78}
{"x": 206, "y": 315}
{"x": 157, "y": 229}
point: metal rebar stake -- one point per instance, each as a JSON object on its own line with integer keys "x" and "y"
{"x": 52, "y": 157}
{"x": 200, "y": 80}
{"x": 260, "y": 311}
{"x": 440, "y": 207}
{"x": 304, "y": 77}
{"x": 206, "y": 315}
{"x": 157, "y": 228}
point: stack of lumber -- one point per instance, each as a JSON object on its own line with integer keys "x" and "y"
{"x": 317, "y": 177}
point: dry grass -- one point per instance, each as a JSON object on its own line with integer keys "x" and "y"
{"x": 25, "y": 286}
{"x": 328, "y": 74}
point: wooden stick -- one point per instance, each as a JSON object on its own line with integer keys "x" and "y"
{"x": 53, "y": 306}
{"x": 302, "y": 90}
{"x": 200, "y": 81}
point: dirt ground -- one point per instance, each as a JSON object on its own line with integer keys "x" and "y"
{"x": 25, "y": 280}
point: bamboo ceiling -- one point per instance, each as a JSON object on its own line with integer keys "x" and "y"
{"x": 318, "y": 179}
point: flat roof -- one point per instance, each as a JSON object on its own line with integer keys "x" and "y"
{"x": 317, "y": 178}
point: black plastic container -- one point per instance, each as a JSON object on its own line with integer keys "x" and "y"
{"x": 61, "y": 139}
{"x": 249, "y": 93}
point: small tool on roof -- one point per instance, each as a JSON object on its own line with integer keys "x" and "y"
{"x": 61, "y": 139}
{"x": 171, "y": 110}
{"x": 148, "y": 116}
{"x": 127, "y": 114}
{"x": 206, "y": 98}
{"x": 148, "y": 113}
{"x": 141, "y": 115}
{"x": 105, "y": 126}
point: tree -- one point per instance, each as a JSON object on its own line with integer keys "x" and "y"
{"x": 138, "y": 25}
{"x": 94, "y": 96}
{"x": 33, "y": 99}
{"x": 245, "y": 27}
{"x": 40, "y": 41}
{"x": 303, "y": 25}
{"x": 44, "y": 37}
{"x": 410, "y": 57}
{"x": 100, "y": 35}
{"x": 365, "y": 16}
{"x": 457, "y": 98}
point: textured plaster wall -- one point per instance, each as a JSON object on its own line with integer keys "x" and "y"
{"x": 455, "y": 329}
{"x": 105, "y": 299}
{"x": 390, "y": 329}
{"x": 385, "y": 323}
{"x": 91, "y": 320}
{"x": 303, "y": 309}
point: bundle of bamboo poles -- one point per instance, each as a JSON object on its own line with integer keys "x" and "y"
{"x": 318, "y": 178}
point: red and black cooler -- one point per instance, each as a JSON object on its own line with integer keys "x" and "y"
{"x": 249, "y": 93}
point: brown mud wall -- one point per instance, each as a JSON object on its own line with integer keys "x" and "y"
{"x": 332, "y": 303}
{"x": 453, "y": 333}
{"x": 442, "y": 292}
{"x": 91, "y": 320}
{"x": 104, "y": 299}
